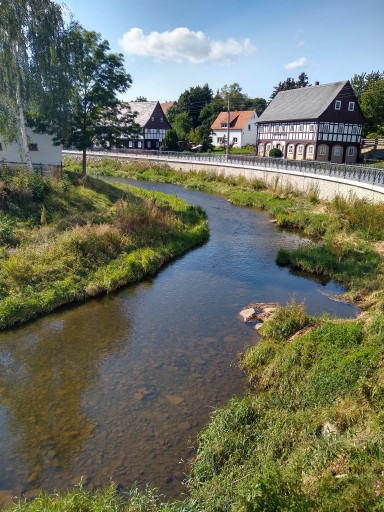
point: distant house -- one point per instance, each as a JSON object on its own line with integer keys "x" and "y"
{"x": 42, "y": 150}
{"x": 150, "y": 117}
{"x": 242, "y": 128}
{"x": 320, "y": 122}
{"x": 167, "y": 105}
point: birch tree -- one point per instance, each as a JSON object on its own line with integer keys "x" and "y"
{"x": 30, "y": 45}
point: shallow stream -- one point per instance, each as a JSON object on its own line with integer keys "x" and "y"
{"x": 118, "y": 387}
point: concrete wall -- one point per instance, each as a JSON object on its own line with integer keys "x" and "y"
{"x": 326, "y": 187}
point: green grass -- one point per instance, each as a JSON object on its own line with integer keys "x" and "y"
{"x": 309, "y": 434}
{"x": 90, "y": 240}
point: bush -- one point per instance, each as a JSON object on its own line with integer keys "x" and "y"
{"x": 276, "y": 153}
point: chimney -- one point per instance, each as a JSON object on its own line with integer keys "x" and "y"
{"x": 316, "y": 83}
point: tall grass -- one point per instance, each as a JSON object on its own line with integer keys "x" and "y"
{"x": 102, "y": 240}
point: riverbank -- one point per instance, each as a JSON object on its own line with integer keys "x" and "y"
{"x": 64, "y": 242}
{"x": 309, "y": 434}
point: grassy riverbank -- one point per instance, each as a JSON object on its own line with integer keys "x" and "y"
{"x": 63, "y": 242}
{"x": 309, "y": 434}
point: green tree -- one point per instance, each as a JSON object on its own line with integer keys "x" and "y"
{"x": 372, "y": 105}
{"x": 290, "y": 83}
{"x": 170, "y": 141}
{"x": 141, "y": 99}
{"x": 182, "y": 124}
{"x": 34, "y": 83}
{"x": 362, "y": 81}
{"x": 98, "y": 76}
{"x": 191, "y": 102}
{"x": 259, "y": 104}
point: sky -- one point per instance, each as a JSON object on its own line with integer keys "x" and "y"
{"x": 172, "y": 45}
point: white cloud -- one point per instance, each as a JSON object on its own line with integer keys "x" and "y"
{"x": 183, "y": 44}
{"x": 302, "y": 62}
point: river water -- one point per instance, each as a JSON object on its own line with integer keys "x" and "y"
{"x": 118, "y": 387}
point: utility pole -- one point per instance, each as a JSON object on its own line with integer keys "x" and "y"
{"x": 228, "y": 123}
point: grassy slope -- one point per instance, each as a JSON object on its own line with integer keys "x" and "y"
{"x": 64, "y": 242}
{"x": 309, "y": 434}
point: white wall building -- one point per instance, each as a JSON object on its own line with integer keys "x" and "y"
{"x": 41, "y": 147}
{"x": 242, "y": 128}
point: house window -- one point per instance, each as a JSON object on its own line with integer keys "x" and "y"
{"x": 139, "y": 143}
{"x": 337, "y": 150}
{"x": 311, "y": 128}
{"x": 310, "y": 150}
{"x": 261, "y": 129}
{"x": 300, "y": 149}
{"x": 249, "y": 127}
{"x": 351, "y": 106}
{"x": 340, "y": 128}
{"x": 130, "y": 144}
{"x": 32, "y": 146}
{"x": 268, "y": 148}
{"x": 351, "y": 151}
{"x": 161, "y": 119}
{"x": 234, "y": 139}
{"x": 219, "y": 140}
{"x": 282, "y": 128}
{"x": 1, "y": 147}
{"x": 301, "y": 128}
{"x": 325, "y": 128}
{"x": 276, "y": 128}
{"x": 338, "y": 105}
{"x": 290, "y": 148}
{"x": 148, "y": 144}
{"x": 291, "y": 128}
{"x": 355, "y": 130}
{"x": 153, "y": 119}
{"x": 323, "y": 150}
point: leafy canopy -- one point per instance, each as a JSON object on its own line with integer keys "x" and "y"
{"x": 98, "y": 75}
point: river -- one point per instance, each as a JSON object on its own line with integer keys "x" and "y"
{"x": 118, "y": 387}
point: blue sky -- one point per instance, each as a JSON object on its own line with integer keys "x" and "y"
{"x": 172, "y": 45}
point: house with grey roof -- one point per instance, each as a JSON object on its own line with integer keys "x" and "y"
{"x": 152, "y": 122}
{"x": 319, "y": 122}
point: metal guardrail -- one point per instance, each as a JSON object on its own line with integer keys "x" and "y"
{"x": 357, "y": 172}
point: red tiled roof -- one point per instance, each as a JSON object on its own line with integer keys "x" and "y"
{"x": 238, "y": 119}
{"x": 167, "y": 105}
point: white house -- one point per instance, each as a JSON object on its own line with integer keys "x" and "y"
{"x": 242, "y": 128}
{"x": 41, "y": 147}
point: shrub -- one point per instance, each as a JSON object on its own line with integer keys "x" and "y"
{"x": 275, "y": 153}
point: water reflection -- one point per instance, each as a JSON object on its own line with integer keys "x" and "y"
{"x": 118, "y": 387}
{"x": 45, "y": 369}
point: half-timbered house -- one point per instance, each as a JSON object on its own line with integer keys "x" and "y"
{"x": 320, "y": 122}
{"x": 150, "y": 117}
{"x": 242, "y": 128}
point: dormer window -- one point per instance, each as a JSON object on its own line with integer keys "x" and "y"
{"x": 223, "y": 125}
{"x": 161, "y": 119}
{"x": 338, "y": 105}
{"x": 153, "y": 119}
{"x": 351, "y": 106}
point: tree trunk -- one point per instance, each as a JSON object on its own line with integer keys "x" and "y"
{"x": 23, "y": 132}
{"x": 84, "y": 166}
